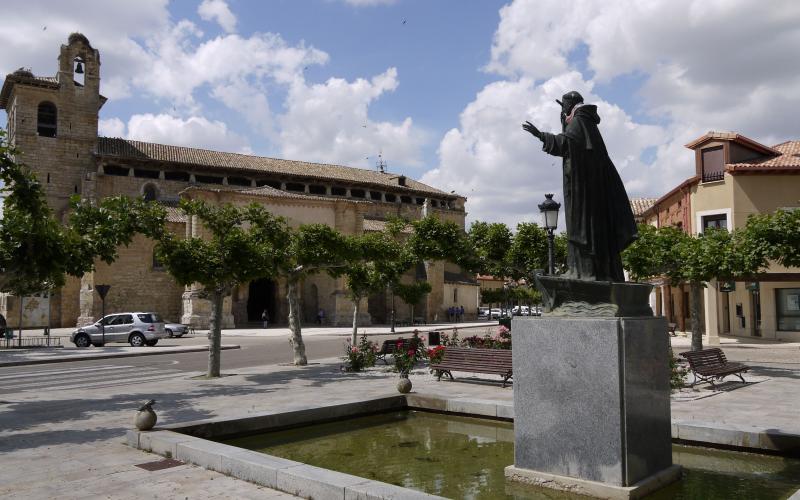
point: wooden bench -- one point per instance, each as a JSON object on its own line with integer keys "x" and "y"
{"x": 710, "y": 364}
{"x": 389, "y": 347}
{"x": 464, "y": 359}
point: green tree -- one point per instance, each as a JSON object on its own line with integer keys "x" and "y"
{"x": 311, "y": 249}
{"x": 379, "y": 262}
{"x": 412, "y": 293}
{"x": 490, "y": 244}
{"x": 695, "y": 260}
{"x": 37, "y": 251}
{"x": 493, "y": 249}
{"x": 774, "y": 236}
{"x": 240, "y": 244}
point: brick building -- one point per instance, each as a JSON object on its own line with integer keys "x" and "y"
{"x": 735, "y": 177}
{"x": 53, "y": 121}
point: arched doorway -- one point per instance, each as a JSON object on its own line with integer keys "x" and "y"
{"x": 261, "y": 296}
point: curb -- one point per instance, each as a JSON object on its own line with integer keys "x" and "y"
{"x": 64, "y": 359}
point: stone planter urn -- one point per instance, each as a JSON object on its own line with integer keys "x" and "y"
{"x": 146, "y": 418}
{"x": 404, "y": 385}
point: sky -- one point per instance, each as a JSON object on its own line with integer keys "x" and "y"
{"x": 438, "y": 88}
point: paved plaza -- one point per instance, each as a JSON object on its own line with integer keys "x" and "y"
{"x": 68, "y": 441}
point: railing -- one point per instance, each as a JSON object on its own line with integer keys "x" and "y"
{"x": 46, "y": 341}
{"x": 713, "y": 176}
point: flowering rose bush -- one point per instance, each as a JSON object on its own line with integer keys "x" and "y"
{"x": 361, "y": 356}
{"x": 407, "y": 353}
{"x": 500, "y": 340}
{"x": 436, "y": 354}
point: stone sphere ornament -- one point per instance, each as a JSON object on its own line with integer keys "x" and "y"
{"x": 146, "y": 418}
{"x": 404, "y": 385}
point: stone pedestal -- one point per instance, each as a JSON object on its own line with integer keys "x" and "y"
{"x": 591, "y": 405}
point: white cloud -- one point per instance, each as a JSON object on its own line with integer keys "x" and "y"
{"x": 195, "y": 131}
{"x": 707, "y": 65}
{"x": 32, "y": 31}
{"x": 329, "y": 122}
{"x": 111, "y": 127}
{"x": 502, "y": 169}
{"x": 217, "y": 10}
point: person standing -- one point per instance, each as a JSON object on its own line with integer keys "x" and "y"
{"x": 265, "y": 318}
{"x": 461, "y": 313}
{"x": 320, "y": 316}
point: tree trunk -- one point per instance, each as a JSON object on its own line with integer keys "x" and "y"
{"x": 296, "y": 338}
{"x": 215, "y": 334}
{"x": 355, "y": 320}
{"x": 412, "y": 314}
{"x": 695, "y": 294}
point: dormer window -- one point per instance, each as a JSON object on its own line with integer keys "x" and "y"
{"x": 713, "y": 164}
{"x": 47, "y": 119}
{"x": 401, "y": 180}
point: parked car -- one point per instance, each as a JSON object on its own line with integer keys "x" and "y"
{"x": 136, "y": 328}
{"x": 176, "y": 330}
{"x": 496, "y": 313}
{"x": 520, "y": 311}
{"x": 483, "y": 312}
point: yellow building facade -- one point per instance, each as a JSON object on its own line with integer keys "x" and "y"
{"x": 736, "y": 177}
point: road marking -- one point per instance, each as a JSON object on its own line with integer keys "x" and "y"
{"x": 79, "y": 380}
{"x": 43, "y": 373}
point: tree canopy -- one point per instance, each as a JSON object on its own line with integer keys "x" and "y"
{"x": 240, "y": 244}
{"x": 37, "y": 250}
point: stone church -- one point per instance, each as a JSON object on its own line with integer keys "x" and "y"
{"x": 53, "y": 121}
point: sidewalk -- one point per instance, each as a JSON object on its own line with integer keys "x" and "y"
{"x": 68, "y": 443}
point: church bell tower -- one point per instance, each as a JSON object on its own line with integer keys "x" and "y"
{"x": 52, "y": 121}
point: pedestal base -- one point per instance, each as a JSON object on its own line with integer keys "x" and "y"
{"x": 592, "y": 488}
{"x": 591, "y": 398}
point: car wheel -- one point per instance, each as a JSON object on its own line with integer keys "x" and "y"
{"x": 169, "y": 333}
{"x": 137, "y": 340}
{"x": 153, "y": 342}
{"x": 82, "y": 340}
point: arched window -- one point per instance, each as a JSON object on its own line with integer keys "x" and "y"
{"x": 150, "y": 192}
{"x": 47, "y": 119}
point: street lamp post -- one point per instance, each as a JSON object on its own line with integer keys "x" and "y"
{"x": 549, "y": 210}
{"x": 102, "y": 291}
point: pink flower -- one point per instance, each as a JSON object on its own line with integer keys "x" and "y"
{"x": 354, "y": 350}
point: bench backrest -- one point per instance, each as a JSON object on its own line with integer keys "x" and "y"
{"x": 389, "y": 346}
{"x": 705, "y": 357}
{"x": 477, "y": 356}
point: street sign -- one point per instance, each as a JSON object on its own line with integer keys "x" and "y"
{"x": 752, "y": 286}
{"x": 102, "y": 290}
{"x": 727, "y": 286}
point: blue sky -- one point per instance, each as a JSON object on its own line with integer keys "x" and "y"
{"x": 440, "y": 87}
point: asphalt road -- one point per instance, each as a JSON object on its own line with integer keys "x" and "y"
{"x": 254, "y": 351}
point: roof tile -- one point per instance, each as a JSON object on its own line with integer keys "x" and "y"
{"x": 148, "y": 151}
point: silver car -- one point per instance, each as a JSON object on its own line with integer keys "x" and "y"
{"x": 176, "y": 330}
{"x": 136, "y": 328}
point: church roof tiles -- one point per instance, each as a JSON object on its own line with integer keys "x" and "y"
{"x": 147, "y": 151}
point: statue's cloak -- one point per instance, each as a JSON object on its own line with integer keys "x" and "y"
{"x": 600, "y": 223}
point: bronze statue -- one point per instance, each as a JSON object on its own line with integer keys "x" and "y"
{"x": 598, "y": 213}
